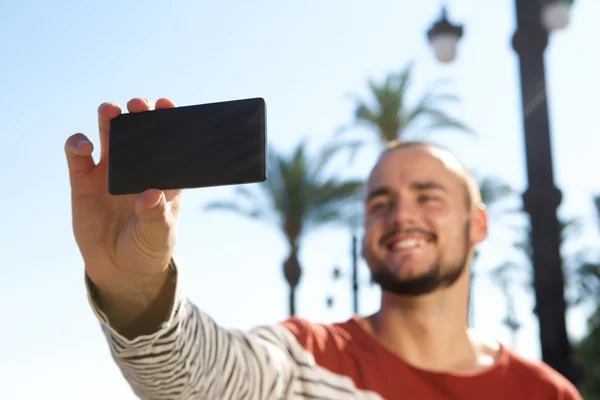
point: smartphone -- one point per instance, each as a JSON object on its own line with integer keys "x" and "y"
{"x": 196, "y": 146}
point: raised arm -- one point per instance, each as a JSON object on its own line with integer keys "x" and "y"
{"x": 188, "y": 356}
{"x": 164, "y": 345}
{"x": 166, "y": 348}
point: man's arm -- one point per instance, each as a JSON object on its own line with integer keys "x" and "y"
{"x": 189, "y": 356}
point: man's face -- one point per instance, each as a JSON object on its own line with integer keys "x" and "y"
{"x": 418, "y": 226}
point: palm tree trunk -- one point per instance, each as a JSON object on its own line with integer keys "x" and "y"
{"x": 292, "y": 273}
{"x": 292, "y": 302}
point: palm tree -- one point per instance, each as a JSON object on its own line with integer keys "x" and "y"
{"x": 389, "y": 115}
{"x": 582, "y": 276}
{"x": 296, "y": 197}
{"x": 587, "y": 352}
{"x": 588, "y": 348}
{"x": 587, "y": 272}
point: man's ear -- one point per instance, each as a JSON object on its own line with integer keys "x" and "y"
{"x": 479, "y": 224}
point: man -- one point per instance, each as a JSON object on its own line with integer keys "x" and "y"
{"x": 423, "y": 219}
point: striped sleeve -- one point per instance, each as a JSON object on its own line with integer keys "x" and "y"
{"x": 191, "y": 357}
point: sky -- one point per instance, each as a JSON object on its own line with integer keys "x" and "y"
{"x": 63, "y": 59}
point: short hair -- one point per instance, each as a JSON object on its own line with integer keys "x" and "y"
{"x": 472, "y": 192}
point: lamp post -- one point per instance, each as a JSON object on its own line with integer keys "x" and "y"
{"x": 535, "y": 19}
{"x": 337, "y": 274}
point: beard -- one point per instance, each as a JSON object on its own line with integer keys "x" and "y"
{"x": 440, "y": 274}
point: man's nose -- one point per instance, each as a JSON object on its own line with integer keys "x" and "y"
{"x": 404, "y": 212}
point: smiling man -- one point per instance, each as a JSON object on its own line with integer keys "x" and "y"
{"x": 423, "y": 220}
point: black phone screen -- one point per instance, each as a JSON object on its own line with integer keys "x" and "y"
{"x": 196, "y": 146}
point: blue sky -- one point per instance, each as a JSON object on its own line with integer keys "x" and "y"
{"x": 62, "y": 59}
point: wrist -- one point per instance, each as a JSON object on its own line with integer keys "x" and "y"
{"x": 137, "y": 305}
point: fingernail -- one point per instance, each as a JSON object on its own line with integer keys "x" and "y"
{"x": 82, "y": 142}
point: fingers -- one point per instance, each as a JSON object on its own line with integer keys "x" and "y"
{"x": 109, "y": 111}
{"x": 173, "y": 194}
{"x": 164, "y": 103}
{"x": 139, "y": 105}
{"x": 78, "y": 150}
{"x": 106, "y": 112}
{"x": 155, "y": 221}
{"x": 174, "y": 200}
{"x": 149, "y": 199}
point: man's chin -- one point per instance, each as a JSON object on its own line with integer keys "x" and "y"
{"x": 407, "y": 283}
{"x": 409, "y": 267}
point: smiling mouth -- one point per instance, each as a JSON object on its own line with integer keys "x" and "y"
{"x": 405, "y": 240}
{"x": 407, "y": 244}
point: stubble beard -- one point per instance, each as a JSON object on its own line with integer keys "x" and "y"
{"x": 434, "y": 278}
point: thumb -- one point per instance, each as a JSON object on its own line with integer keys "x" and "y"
{"x": 78, "y": 150}
{"x": 154, "y": 219}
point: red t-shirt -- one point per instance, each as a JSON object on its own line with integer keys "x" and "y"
{"x": 346, "y": 349}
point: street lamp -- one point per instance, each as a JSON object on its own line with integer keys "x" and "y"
{"x": 535, "y": 19}
{"x": 555, "y": 14}
{"x": 443, "y": 37}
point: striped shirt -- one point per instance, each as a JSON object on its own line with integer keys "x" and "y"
{"x": 191, "y": 357}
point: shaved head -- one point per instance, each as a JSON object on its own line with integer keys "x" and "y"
{"x": 423, "y": 216}
{"x": 472, "y": 192}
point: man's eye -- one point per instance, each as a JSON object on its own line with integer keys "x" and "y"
{"x": 379, "y": 207}
{"x": 428, "y": 199}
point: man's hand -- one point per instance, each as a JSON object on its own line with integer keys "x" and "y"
{"x": 126, "y": 241}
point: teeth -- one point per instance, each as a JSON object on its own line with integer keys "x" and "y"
{"x": 406, "y": 244}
